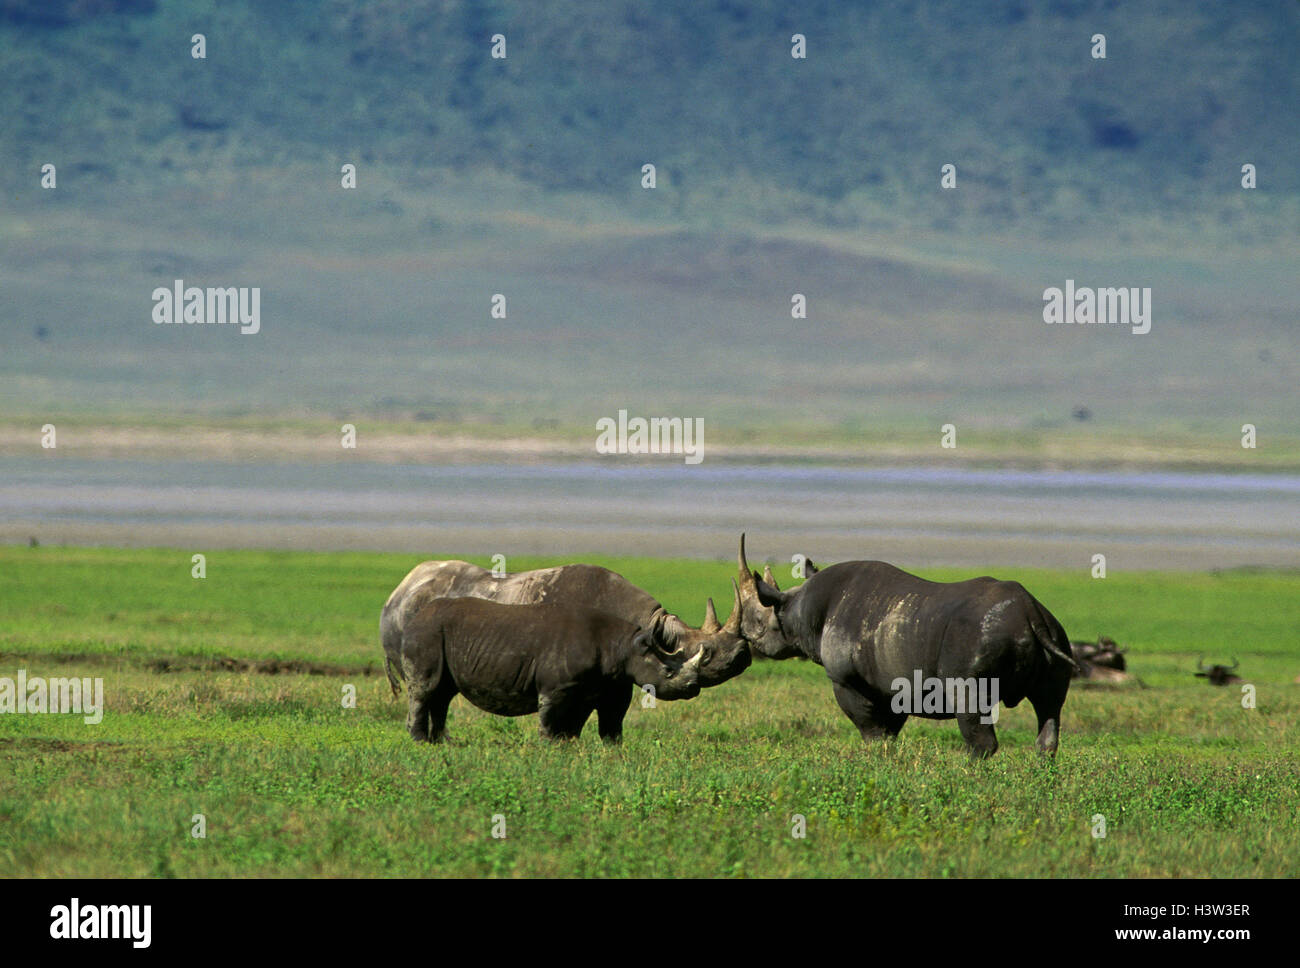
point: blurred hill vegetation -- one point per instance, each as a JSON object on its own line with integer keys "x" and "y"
{"x": 1043, "y": 135}
{"x": 775, "y": 175}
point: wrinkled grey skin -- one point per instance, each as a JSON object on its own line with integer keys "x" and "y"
{"x": 561, "y": 661}
{"x": 723, "y": 652}
{"x": 868, "y": 623}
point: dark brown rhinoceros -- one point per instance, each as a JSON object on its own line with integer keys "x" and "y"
{"x": 562, "y": 661}
{"x": 723, "y": 653}
{"x": 895, "y": 645}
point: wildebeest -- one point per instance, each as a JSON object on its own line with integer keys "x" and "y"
{"x": 562, "y": 661}
{"x": 1219, "y": 675}
{"x": 1102, "y": 660}
{"x": 723, "y": 653}
{"x": 877, "y": 629}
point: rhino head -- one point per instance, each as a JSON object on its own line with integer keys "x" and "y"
{"x": 672, "y": 675}
{"x": 722, "y": 650}
{"x": 761, "y": 604}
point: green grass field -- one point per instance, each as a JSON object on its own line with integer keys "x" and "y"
{"x": 290, "y": 782}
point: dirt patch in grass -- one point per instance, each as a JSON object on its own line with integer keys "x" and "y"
{"x": 41, "y": 744}
{"x": 172, "y": 663}
{"x": 270, "y": 667}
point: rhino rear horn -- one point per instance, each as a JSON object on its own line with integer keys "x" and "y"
{"x": 711, "y": 623}
{"x": 733, "y": 620}
{"x": 767, "y": 577}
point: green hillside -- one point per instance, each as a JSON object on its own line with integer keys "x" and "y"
{"x": 775, "y": 176}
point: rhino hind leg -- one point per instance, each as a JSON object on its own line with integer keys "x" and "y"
{"x": 872, "y": 715}
{"x": 426, "y": 718}
{"x": 1049, "y": 734}
{"x": 1048, "y": 710}
{"x": 1047, "y": 705}
{"x": 429, "y": 691}
{"x": 981, "y": 738}
{"x": 417, "y": 713}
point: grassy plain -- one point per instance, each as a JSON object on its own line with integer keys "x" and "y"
{"x": 293, "y": 783}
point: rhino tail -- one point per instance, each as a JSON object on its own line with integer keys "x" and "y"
{"x": 390, "y": 637}
{"x": 394, "y": 675}
{"x": 1053, "y": 639}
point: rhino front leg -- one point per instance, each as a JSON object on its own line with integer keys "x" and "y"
{"x": 610, "y": 711}
{"x": 981, "y": 738}
{"x": 561, "y": 716}
{"x": 871, "y": 714}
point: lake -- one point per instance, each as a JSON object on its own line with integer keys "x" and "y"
{"x": 911, "y": 516}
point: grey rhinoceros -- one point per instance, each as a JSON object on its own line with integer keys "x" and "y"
{"x": 562, "y": 661}
{"x": 891, "y": 643}
{"x": 723, "y": 653}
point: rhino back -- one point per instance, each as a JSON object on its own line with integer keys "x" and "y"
{"x": 589, "y": 586}
{"x": 881, "y": 623}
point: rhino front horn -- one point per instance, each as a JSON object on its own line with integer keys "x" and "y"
{"x": 710, "y": 618}
{"x": 691, "y": 670}
{"x": 746, "y": 578}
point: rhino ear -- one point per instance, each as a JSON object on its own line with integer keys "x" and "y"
{"x": 647, "y": 642}
{"x": 809, "y": 569}
{"x": 769, "y": 594}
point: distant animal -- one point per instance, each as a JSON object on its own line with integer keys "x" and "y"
{"x": 561, "y": 661}
{"x": 1102, "y": 660}
{"x": 723, "y": 653}
{"x": 1219, "y": 675}
{"x": 875, "y": 628}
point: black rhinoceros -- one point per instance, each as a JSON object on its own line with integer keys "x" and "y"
{"x": 723, "y": 653}
{"x": 895, "y": 645}
{"x": 562, "y": 661}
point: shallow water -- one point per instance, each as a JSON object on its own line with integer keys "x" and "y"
{"x": 913, "y": 516}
